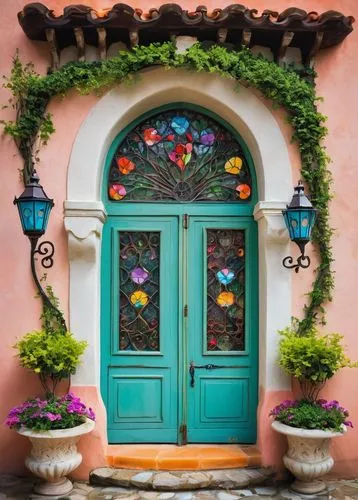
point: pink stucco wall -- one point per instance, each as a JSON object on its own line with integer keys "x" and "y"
{"x": 19, "y": 311}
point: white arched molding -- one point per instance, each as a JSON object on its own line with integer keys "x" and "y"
{"x": 84, "y": 212}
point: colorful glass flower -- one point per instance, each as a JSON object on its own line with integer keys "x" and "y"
{"x": 225, "y": 299}
{"x": 241, "y": 252}
{"x": 151, "y": 136}
{"x": 117, "y": 192}
{"x": 213, "y": 342}
{"x": 243, "y": 191}
{"x": 181, "y": 155}
{"x": 125, "y": 165}
{"x": 207, "y": 137}
{"x": 234, "y": 165}
{"x": 139, "y": 275}
{"x": 180, "y": 124}
{"x": 225, "y": 276}
{"x": 139, "y": 299}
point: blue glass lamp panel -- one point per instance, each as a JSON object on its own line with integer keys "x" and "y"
{"x": 299, "y": 223}
{"x": 308, "y": 218}
{"x": 42, "y": 212}
{"x": 34, "y": 215}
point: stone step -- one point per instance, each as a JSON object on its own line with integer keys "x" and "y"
{"x": 225, "y": 479}
{"x": 184, "y": 458}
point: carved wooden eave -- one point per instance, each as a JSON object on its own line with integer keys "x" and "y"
{"x": 81, "y": 25}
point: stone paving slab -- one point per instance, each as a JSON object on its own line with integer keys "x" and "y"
{"x": 15, "y": 488}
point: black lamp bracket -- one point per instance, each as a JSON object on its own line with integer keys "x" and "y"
{"x": 46, "y": 251}
{"x": 302, "y": 261}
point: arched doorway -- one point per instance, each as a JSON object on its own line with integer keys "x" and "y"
{"x": 179, "y": 312}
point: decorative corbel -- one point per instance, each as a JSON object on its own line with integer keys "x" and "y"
{"x": 286, "y": 40}
{"x": 102, "y": 47}
{"x": 55, "y": 54}
{"x": 80, "y": 41}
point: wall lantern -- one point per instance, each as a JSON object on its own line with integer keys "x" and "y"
{"x": 300, "y": 217}
{"x": 34, "y": 209}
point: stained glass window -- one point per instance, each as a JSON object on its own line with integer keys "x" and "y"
{"x": 225, "y": 290}
{"x": 179, "y": 155}
{"x": 139, "y": 291}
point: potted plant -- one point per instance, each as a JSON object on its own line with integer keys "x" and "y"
{"x": 53, "y": 424}
{"x": 310, "y": 423}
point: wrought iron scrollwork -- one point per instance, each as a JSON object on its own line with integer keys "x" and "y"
{"x": 46, "y": 250}
{"x": 303, "y": 261}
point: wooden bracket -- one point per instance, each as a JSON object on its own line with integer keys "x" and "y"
{"x": 315, "y": 48}
{"x": 102, "y": 47}
{"x": 286, "y": 40}
{"x": 80, "y": 41}
{"x": 134, "y": 37}
{"x": 222, "y": 35}
{"x": 55, "y": 53}
{"x": 246, "y": 37}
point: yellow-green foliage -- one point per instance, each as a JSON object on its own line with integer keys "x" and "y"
{"x": 55, "y": 355}
{"x": 312, "y": 357}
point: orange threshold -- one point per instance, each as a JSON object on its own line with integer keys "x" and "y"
{"x": 189, "y": 457}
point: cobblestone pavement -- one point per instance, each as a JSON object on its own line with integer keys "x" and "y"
{"x": 15, "y": 488}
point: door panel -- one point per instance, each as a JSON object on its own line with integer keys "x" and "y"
{"x": 140, "y": 368}
{"x": 222, "y": 330}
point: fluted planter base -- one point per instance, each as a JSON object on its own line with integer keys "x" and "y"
{"x": 54, "y": 489}
{"x": 54, "y": 455}
{"x": 307, "y": 456}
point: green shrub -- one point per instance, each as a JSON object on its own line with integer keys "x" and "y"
{"x": 53, "y": 356}
{"x": 312, "y": 358}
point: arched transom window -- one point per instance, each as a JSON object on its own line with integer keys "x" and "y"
{"x": 179, "y": 155}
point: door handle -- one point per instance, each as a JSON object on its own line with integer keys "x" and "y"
{"x": 209, "y": 366}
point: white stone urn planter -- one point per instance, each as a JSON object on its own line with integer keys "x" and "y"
{"x": 54, "y": 455}
{"x": 307, "y": 456}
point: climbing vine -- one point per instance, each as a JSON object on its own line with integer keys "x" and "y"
{"x": 33, "y": 125}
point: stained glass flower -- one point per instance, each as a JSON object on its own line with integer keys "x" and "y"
{"x": 117, "y": 192}
{"x": 180, "y": 124}
{"x": 225, "y": 276}
{"x": 213, "y": 342}
{"x": 125, "y": 165}
{"x": 207, "y": 137}
{"x": 151, "y": 136}
{"x": 181, "y": 155}
{"x": 243, "y": 191}
{"x": 139, "y": 299}
{"x": 234, "y": 165}
{"x": 225, "y": 299}
{"x": 202, "y": 149}
{"x": 139, "y": 275}
{"x": 241, "y": 252}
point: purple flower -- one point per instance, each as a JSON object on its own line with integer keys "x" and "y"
{"x": 348, "y": 423}
{"x": 11, "y": 421}
{"x": 91, "y": 414}
{"x": 52, "y": 416}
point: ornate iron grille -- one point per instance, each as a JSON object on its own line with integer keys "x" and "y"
{"x": 179, "y": 155}
{"x": 139, "y": 291}
{"x": 225, "y": 290}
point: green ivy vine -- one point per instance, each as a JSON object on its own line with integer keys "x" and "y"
{"x": 33, "y": 125}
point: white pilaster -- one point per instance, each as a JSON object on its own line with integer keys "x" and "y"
{"x": 274, "y": 291}
{"x": 83, "y": 223}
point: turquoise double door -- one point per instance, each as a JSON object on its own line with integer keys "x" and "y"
{"x": 179, "y": 326}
